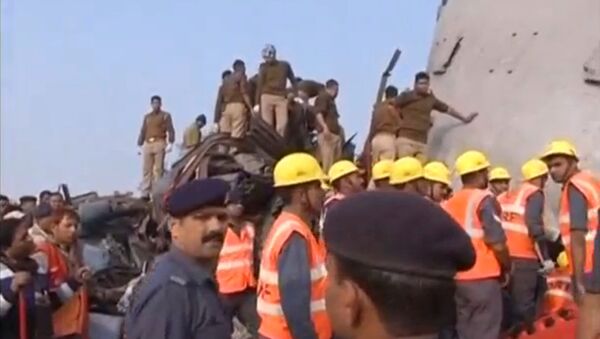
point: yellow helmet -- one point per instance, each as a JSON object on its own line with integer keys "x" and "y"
{"x": 562, "y": 260}
{"x": 297, "y": 168}
{"x": 382, "y": 169}
{"x": 499, "y": 173}
{"x": 560, "y": 147}
{"x": 534, "y": 168}
{"x": 406, "y": 169}
{"x": 437, "y": 171}
{"x": 341, "y": 169}
{"x": 471, "y": 161}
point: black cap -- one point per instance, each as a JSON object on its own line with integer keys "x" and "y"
{"x": 399, "y": 232}
{"x": 27, "y": 198}
{"x": 195, "y": 195}
{"x": 43, "y": 210}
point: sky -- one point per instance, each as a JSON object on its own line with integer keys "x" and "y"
{"x": 76, "y": 76}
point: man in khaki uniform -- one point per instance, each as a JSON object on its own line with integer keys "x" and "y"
{"x": 385, "y": 126}
{"x": 193, "y": 134}
{"x": 271, "y": 89}
{"x": 219, "y": 105}
{"x": 234, "y": 119}
{"x": 415, "y": 109}
{"x": 329, "y": 138}
{"x": 157, "y": 129}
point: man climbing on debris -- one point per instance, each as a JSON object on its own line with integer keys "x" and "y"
{"x": 415, "y": 109}
{"x": 308, "y": 89}
{"x": 237, "y": 105}
{"x": 385, "y": 125}
{"x": 271, "y": 92}
{"x": 193, "y": 134}
{"x": 219, "y": 105}
{"x": 579, "y": 222}
{"x": 156, "y": 138}
{"x": 292, "y": 277}
{"x": 329, "y": 138}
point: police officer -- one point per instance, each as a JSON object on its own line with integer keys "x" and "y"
{"x": 179, "y": 299}
{"x": 393, "y": 279}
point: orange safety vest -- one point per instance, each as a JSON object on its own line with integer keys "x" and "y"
{"x": 328, "y": 201}
{"x": 73, "y": 316}
{"x": 589, "y": 186}
{"x": 558, "y": 296}
{"x": 463, "y": 207}
{"x": 273, "y": 323}
{"x": 520, "y": 244}
{"x": 235, "y": 267}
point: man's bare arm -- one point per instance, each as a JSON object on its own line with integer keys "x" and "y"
{"x": 578, "y": 255}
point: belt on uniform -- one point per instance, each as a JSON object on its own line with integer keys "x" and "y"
{"x": 154, "y": 139}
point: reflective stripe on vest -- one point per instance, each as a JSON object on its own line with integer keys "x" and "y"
{"x": 463, "y": 207}
{"x": 514, "y": 203}
{"x": 328, "y": 201}
{"x": 589, "y": 186}
{"x": 273, "y": 322}
{"x": 234, "y": 270}
{"x": 558, "y": 295}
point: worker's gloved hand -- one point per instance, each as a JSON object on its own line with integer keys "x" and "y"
{"x": 547, "y": 267}
{"x": 169, "y": 148}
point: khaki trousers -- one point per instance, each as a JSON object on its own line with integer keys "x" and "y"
{"x": 329, "y": 149}
{"x": 274, "y": 110}
{"x": 406, "y": 147}
{"x": 383, "y": 147}
{"x": 153, "y": 164}
{"x": 589, "y": 317}
{"x": 234, "y": 120}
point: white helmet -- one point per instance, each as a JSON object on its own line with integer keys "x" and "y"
{"x": 269, "y": 51}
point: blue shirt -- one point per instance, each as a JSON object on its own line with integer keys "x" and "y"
{"x": 178, "y": 299}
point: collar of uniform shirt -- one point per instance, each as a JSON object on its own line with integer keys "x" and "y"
{"x": 196, "y": 271}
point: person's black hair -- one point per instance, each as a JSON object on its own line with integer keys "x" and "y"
{"x": 201, "y": 118}
{"x": 421, "y": 76}
{"x": 408, "y": 305}
{"x": 298, "y": 79}
{"x": 156, "y": 97}
{"x": 237, "y": 63}
{"x": 331, "y": 83}
{"x": 4, "y": 197}
{"x": 27, "y": 198}
{"x": 44, "y": 193}
{"x": 391, "y": 92}
{"x": 470, "y": 177}
{"x": 8, "y": 228}
{"x": 225, "y": 74}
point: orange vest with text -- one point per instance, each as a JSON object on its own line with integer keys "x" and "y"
{"x": 513, "y": 203}
{"x": 463, "y": 207}
{"x": 589, "y": 186}
{"x": 273, "y": 323}
{"x": 235, "y": 267}
{"x": 558, "y": 295}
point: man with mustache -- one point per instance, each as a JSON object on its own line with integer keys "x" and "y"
{"x": 179, "y": 299}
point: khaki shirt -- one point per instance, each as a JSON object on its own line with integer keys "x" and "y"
{"x": 272, "y": 78}
{"x": 386, "y": 118}
{"x": 325, "y": 105}
{"x": 415, "y": 110}
{"x": 192, "y": 136}
{"x": 157, "y": 126}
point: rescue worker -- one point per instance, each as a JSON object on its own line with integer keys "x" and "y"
{"x": 499, "y": 180}
{"x": 20, "y": 276}
{"x": 578, "y": 219}
{"x": 237, "y": 105}
{"x": 271, "y": 89}
{"x": 156, "y": 138}
{"x": 344, "y": 179}
{"x": 384, "y": 127}
{"x": 178, "y": 298}
{"x": 415, "y": 109}
{"x": 478, "y": 290}
{"x": 330, "y": 137}
{"x": 393, "y": 279}
{"x": 66, "y": 278}
{"x": 235, "y": 270}
{"x": 407, "y": 176}
{"x": 523, "y": 223}
{"x": 192, "y": 136}
{"x": 437, "y": 176}
{"x": 219, "y": 105}
{"x": 27, "y": 203}
{"x": 380, "y": 174}
{"x": 291, "y": 281}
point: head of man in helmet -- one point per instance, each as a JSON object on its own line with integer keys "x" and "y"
{"x": 269, "y": 53}
{"x": 407, "y": 176}
{"x": 562, "y": 161}
{"x": 499, "y": 180}
{"x": 346, "y": 178}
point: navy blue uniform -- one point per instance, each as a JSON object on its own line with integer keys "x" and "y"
{"x": 178, "y": 299}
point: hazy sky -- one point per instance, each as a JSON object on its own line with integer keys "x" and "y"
{"x": 77, "y": 76}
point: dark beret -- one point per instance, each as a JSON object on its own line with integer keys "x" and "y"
{"x": 43, "y": 210}
{"x": 195, "y": 195}
{"x": 399, "y": 232}
{"x": 27, "y": 198}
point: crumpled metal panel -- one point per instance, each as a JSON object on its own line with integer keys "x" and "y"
{"x": 520, "y": 67}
